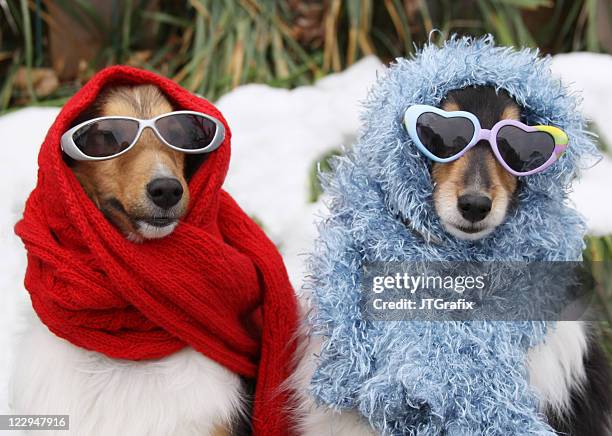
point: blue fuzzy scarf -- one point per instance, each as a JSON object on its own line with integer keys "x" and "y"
{"x": 432, "y": 378}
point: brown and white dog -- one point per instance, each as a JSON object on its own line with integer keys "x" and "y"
{"x": 144, "y": 192}
{"x": 472, "y": 196}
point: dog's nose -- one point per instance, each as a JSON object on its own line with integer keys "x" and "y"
{"x": 165, "y": 192}
{"x": 474, "y": 207}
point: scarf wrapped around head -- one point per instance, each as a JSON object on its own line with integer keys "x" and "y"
{"x": 217, "y": 283}
{"x": 432, "y": 378}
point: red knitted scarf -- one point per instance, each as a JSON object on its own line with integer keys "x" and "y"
{"x": 217, "y": 283}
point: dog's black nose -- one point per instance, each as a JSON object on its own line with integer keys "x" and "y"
{"x": 165, "y": 192}
{"x": 474, "y": 207}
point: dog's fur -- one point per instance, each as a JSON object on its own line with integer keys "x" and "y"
{"x": 119, "y": 186}
{"x": 568, "y": 371}
{"x": 477, "y": 173}
{"x": 185, "y": 393}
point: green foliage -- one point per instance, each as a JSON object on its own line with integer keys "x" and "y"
{"x": 320, "y": 165}
{"x": 210, "y": 46}
{"x": 598, "y": 254}
{"x": 601, "y": 143}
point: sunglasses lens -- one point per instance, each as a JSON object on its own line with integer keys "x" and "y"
{"x": 187, "y": 131}
{"x": 444, "y": 137}
{"x": 105, "y": 138}
{"x": 524, "y": 151}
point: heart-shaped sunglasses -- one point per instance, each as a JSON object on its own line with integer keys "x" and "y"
{"x": 446, "y": 136}
{"x": 108, "y": 137}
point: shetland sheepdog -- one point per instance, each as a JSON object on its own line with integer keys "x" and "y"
{"x": 144, "y": 193}
{"x": 472, "y": 196}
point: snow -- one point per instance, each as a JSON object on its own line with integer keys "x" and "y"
{"x": 592, "y": 196}
{"x": 590, "y": 74}
{"x": 277, "y": 135}
{"x": 21, "y": 134}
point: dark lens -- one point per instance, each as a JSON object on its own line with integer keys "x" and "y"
{"x": 444, "y": 137}
{"x": 524, "y": 151}
{"x": 105, "y": 138}
{"x": 186, "y": 131}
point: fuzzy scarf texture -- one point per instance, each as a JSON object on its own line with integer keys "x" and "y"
{"x": 217, "y": 283}
{"x": 432, "y": 378}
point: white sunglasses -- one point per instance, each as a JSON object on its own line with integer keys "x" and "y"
{"x": 108, "y": 137}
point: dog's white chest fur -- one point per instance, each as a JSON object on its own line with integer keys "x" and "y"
{"x": 182, "y": 394}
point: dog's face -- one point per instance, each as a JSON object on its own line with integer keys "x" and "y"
{"x": 144, "y": 191}
{"x": 473, "y": 193}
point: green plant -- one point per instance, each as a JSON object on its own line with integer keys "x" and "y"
{"x": 319, "y": 166}
{"x": 598, "y": 254}
{"x": 211, "y": 46}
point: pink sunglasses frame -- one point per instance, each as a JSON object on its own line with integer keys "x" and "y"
{"x": 415, "y": 111}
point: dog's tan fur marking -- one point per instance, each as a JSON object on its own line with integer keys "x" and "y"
{"x": 511, "y": 113}
{"x": 449, "y": 174}
{"x": 125, "y": 178}
{"x": 501, "y": 180}
{"x": 450, "y": 106}
{"x": 221, "y": 431}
